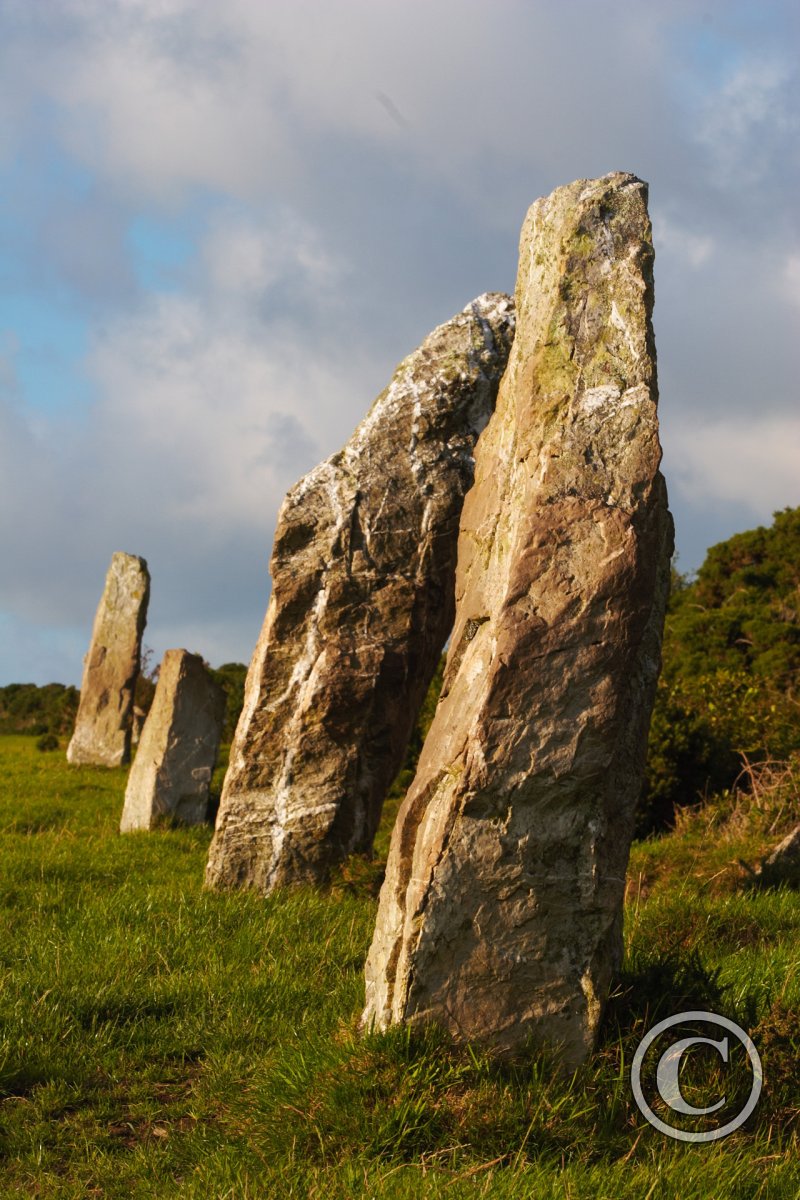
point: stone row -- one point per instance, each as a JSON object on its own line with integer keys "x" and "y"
{"x": 532, "y": 523}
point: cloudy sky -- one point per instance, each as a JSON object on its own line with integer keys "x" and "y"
{"x": 222, "y": 225}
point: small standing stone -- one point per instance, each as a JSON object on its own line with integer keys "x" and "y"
{"x": 171, "y": 774}
{"x": 102, "y": 735}
{"x": 362, "y": 602}
{"x": 501, "y": 913}
{"x": 137, "y": 724}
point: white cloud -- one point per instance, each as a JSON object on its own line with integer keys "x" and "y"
{"x": 749, "y": 118}
{"x": 220, "y": 398}
{"x": 207, "y": 409}
{"x": 747, "y": 461}
{"x": 160, "y": 97}
{"x": 245, "y": 258}
{"x": 791, "y": 279}
{"x": 195, "y": 402}
{"x": 351, "y": 173}
{"x": 692, "y": 248}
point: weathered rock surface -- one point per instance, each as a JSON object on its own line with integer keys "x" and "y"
{"x": 102, "y": 733}
{"x": 362, "y": 601}
{"x": 170, "y": 776}
{"x": 500, "y": 916}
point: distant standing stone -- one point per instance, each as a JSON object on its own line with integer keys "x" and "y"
{"x": 171, "y": 773}
{"x": 137, "y": 724}
{"x": 102, "y": 734}
{"x": 501, "y": 913}
{"x": 362, "y": 601}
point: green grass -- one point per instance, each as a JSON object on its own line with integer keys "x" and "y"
{"x": 159, "y": 1041}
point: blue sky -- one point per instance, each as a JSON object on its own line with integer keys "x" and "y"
{"x": 221, "y": 226}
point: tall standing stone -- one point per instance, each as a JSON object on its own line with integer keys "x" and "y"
{"x": 171, "y": 774}
{"x": 501, "y": 913}
{"x": 102, "y": 735}
{"x": 362, "y": 601}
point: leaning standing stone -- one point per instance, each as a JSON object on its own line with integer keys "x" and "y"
{"x": 171, "y": 774}
{"x": 102, "y": 734}
{"x": 501, "y": 913}
{"x": 362, "y": 602}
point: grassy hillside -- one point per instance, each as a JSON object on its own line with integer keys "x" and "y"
{"x": 158, "y": 1041}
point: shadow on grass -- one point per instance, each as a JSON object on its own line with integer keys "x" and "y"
{"x": 412, "y": 1094}
{"x": 650, "y": 988}
{"x": 54, "y": 819}
{"x": 124, "y": 1012}
{"x": 20, "y": 1080}
{"x": 769, "y": 877}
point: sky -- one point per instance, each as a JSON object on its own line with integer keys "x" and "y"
{"x": 223, "y": 225}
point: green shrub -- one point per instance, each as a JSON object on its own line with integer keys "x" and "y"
{"x": 48, "y": 741}
{"x": 419, "y": 732}
{"x": 231, "y": 677}
{"x": 728, "y": 692}
{"x": 27, "y": 708}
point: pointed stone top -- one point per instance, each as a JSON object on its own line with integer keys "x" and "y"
{"x": 121, "y": 557}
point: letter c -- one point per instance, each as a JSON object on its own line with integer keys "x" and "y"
{"x": 669, "y": 1065}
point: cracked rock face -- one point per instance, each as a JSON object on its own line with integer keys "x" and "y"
{"x": 102, "y": 735}
{"x": 171, "y": 774}
{"x": 501, "y": 913}
{"x": 362, "y": 601}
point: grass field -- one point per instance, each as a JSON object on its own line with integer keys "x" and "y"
{"x": 159, "y": 1041}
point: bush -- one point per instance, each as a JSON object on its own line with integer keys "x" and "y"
{"x": 26, "y": 708}
{"x": 146, "y": 681}
{"x": 231, "y": 677}
{"x": 419, "y": 732}
{"x": 48, "y": 741}
{"x": 729, "y": 684}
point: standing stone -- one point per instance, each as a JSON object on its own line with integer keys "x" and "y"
{"x": 362, "y": 601}
{"x": 501, "y": 913}
{"x": 137, "y": 724}
{"x": 102, "y": 734}
{"x": 171, "y": 773}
